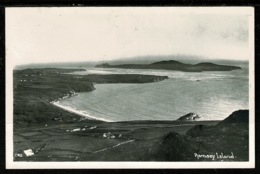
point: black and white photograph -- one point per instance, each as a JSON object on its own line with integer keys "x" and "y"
{"x": 130, "y": 87}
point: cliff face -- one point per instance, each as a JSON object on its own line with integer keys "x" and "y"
{"x": 174, "y": 65}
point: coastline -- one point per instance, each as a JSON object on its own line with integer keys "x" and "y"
{"x": 72, "y": 93}
{"x": 80, "y": 113}
{"x": 39, "y": 88}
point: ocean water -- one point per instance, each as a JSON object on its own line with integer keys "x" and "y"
{"x": 215, "y": 96}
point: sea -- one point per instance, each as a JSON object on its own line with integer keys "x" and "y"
{"x": 211, "y": 95}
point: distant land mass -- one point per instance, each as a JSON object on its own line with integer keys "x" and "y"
{"x": 174, "y": 65}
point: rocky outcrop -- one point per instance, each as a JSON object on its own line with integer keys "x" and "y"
{"x": 189, "y": 117}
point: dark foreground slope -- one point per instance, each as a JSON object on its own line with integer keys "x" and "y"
{"x": 226, "y": 141}
{"x": 174, "y": 65}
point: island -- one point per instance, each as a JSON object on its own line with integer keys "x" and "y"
{"x": 44, "y": 132}
{"x": 174, "y": 65}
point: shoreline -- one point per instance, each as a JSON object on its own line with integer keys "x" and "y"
{"x": 80, "y": 113}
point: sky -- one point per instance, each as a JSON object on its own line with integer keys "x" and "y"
{"x": 45, "y": 35}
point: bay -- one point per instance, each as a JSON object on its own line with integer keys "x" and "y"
{"x": 212, "y": 95}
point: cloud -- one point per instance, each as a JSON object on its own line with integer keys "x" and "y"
{"x": 87, "y": 34}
